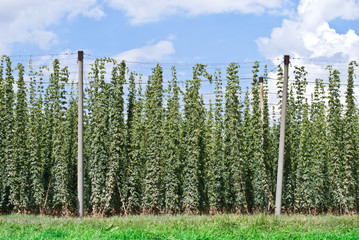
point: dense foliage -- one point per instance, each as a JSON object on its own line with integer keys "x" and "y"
{"x": 154, "y": 147}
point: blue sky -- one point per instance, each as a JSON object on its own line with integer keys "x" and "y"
{"x": 315, "y": 33}
{"x": 208, "y": 31}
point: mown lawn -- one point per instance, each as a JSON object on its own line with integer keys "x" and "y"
{"x": 181, "y": 227}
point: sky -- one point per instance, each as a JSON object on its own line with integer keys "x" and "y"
{"x": 315, "y": 33}
{"x": 174, "y": 31}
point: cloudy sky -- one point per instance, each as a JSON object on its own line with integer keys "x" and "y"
{"x": 182, "y": 30}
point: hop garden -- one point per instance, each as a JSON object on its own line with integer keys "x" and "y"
{"x": 156, "y": 148}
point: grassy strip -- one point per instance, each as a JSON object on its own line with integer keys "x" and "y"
{"x": 181, "y": 227}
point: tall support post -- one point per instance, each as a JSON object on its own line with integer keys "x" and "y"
{"x": 278, "y": 197}
{"x": 80, "y": 161}
{"x": 261, "y": 96}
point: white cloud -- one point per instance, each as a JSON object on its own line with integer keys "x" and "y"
{"x": 325, "y": 41}
{"x": 314, "y": 12}
{"x": 308, "y": 37}
{"x": 95, "y": 13}
{"x": 144, "y": 11}
{"x": 27, "y": 21}
{"x": 157, "y": 52}
{"x": 308, "y": 34}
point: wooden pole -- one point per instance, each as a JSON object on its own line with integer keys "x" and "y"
{"x": 80, "y": 161}
{"x": 261, "y": 96}
{"x": 278, "y": 198}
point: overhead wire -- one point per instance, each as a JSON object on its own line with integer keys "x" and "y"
{"x": 185, "y": 65}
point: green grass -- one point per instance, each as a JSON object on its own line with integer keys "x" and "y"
{"x": 181, "y": 227}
